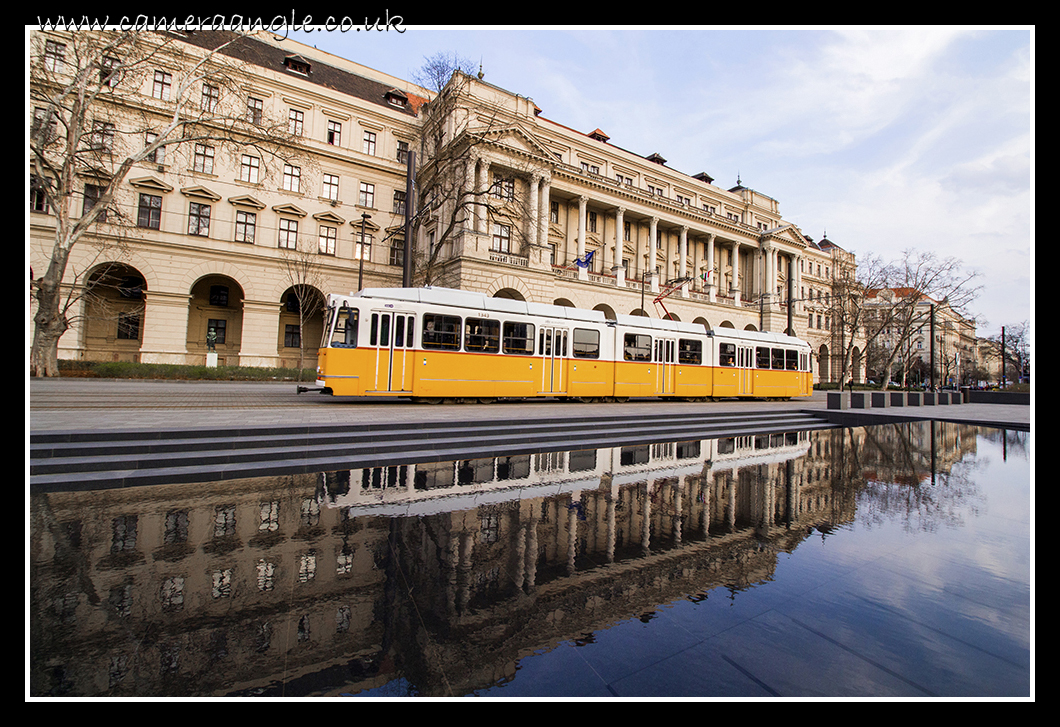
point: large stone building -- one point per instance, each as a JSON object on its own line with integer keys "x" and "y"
{"x": 507, "y": 202}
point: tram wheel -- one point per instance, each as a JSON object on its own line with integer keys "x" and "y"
{"x": 428, "y": 400}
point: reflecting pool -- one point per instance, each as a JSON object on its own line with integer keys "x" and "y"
{"x": 884, "y": 561}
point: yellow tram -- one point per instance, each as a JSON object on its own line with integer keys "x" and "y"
{"x": 436, "y": 343}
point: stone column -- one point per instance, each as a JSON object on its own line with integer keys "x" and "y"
{"x": 735, "y": 289}
{"x": 653, "y": 230}
{"x": 532, "y": 225}
{"x": 712, "y": 283}
{"x": 682, "y": 260}
{"x": 261, "y": 334}
{"x": 544, "y": 213}
{"x": 583, "y": 273}
{"x": 620, "y": 244}
{"x": 165, "y": 328}
{"x": 484, "y": 190}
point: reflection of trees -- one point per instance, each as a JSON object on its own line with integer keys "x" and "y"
{"x": 918, "y": 474}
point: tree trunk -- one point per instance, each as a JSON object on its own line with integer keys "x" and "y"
{"x": 49, "y": 326}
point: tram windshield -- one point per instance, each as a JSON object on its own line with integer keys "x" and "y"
{"x": 342, "y": 324}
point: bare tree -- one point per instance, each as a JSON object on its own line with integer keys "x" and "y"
{"x": 103, "y": 103}
{"x": 1016, "y": 351}
{"x": 305, "y": 276}
{"x": 454, "y": 137}
{"x": 901, "y": 301}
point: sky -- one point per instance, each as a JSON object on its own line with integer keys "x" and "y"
{"x": 882, "y": 138}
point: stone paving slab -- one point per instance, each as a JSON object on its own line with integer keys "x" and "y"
{"x": 74, "y": 404}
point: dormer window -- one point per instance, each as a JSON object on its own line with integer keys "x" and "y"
{"x": 395, "y": 97}
{"x": 297, "y": 64}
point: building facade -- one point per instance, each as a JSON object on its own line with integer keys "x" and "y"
{"x": 219, "y": 237}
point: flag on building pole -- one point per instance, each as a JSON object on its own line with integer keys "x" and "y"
{"x": 586, "y": 262}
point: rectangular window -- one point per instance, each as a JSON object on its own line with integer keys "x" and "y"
{"x": 369, "y": 143}
{"x": 362, "y": 247}
{"x": 295, "y": 121}
{"x": 255, "y": 110}
{"x": 553, "y": 212}
{"x": 53, "y": 55}
{"x": 219, "y": 296}
{"x": 637, "y": 347}
{"x": 292, "y": 338}
{"x": 399, "y": 201}
{"x": 109, "y": 74}
{"x": 199, "y": 219}
{"x": 219, "y": 326}
{"x": 92, "y": 195}
{"x": 367, "y": 195}
{"x": 761, "y": 357}
{"x": 727, "y": 354}
{"x": 334, "y": 133}
{"x": 102, "y": 136}
{"x": 689, "y": 351}
{"x": 292, "y": 178}
{"x": 503, "y": 188}
{"x": 592, "y": 222}
{"x": 249, "y": 169}
{"x": 328, "y": 236}
{"x": 791, "y": 360}
{"x": 586, "y": 343}
{"x": 502, "y": 238}
{"x": 289, "y": 234}
{"x": 777, "y": 359}
{"x": 403, "y": 151}
{"x": 519, "y": 338}
{"x": 211, "y": 97}
{"x": 158, "y": 156}
{"x": 128, "y": 326}
{"x": 483, "y": 335}
{"x": 162, "y": 86}
{"x": 441, "y": 332}
{"x": 331, "y": 186}
{"x": 397, "y": 253}
{"x": 246, "y": 222}
{"x": 202, "y": 160}
{"x": 149, "y": 212}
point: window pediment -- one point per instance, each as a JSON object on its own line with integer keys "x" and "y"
{"x": 329, "y": 217}
{"x": 289, "y": 209}
{"x": 151, "y": 183}
{"x": 246, "y": 201}
{"x": 200, "y": 192}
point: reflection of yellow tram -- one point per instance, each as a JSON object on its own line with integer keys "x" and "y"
{"x": 433, "y": 343}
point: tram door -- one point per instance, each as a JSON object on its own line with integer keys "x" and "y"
{"x": 551, "y": 351}
{"x": 745, "y": 372}
{"x": 665, "y": 365}
{"x": 392, "y": 334}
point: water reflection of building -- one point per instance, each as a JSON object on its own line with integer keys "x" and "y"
{"x": 315, "y": 585}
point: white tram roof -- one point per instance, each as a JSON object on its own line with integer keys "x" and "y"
{"x": 480, "y": 301}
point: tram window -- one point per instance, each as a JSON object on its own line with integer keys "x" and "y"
{"x": 791, "y": 360}
{"x": 399, "y": 331}
{"x": 345, "y": 333}
{"x": 761, "y": 357}
{"x": 482, "y": 335}
{"x": 379, "y": 331}
{"x": 441, "y": 332}
{"x": 410, "y": 338}
{"x": 637, "y": 347}
{"x": 689, "y": 351}
{"x": 727, "y": 354}
{"x": 804, "y": 362}
{"x": 586, "y": 343}
{"x": 518, "y": 338}
{"x": 778, "y": 359}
